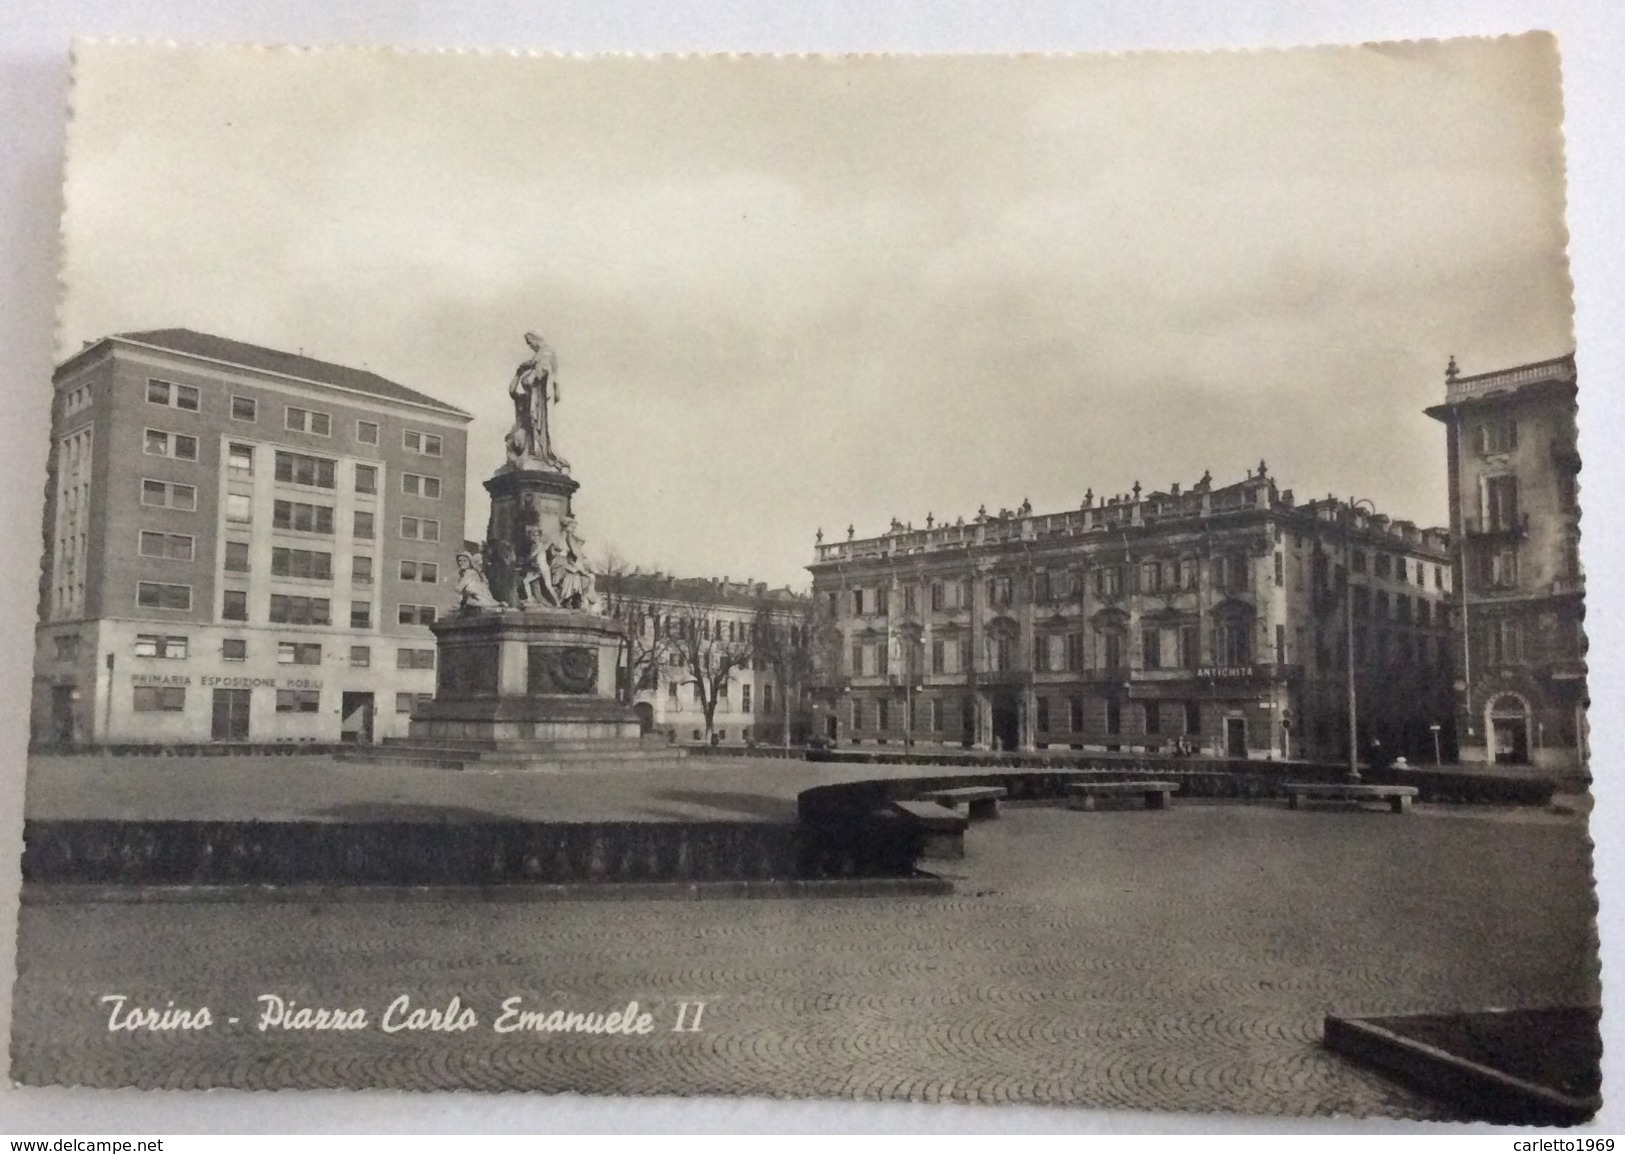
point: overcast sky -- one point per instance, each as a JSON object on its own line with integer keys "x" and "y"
{"x": 797, "y": 294}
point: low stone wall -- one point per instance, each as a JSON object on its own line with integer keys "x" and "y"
{"x": 1233, "y": 780}
{"x": 443, "y": 853}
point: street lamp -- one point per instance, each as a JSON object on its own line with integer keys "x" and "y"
{"x": 1435, "y": 728}
{"x": 1348, "y": 628}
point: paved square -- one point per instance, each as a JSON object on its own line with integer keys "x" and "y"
{"x": 1177, "y": 961}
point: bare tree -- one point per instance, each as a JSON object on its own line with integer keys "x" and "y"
{"x": 709, "y": 648}
{"x": 783, "y": 646}
{"x": 645, "y": 646}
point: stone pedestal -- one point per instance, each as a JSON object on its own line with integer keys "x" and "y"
{"x": 522, "y": 499}
{"x": 538, "y": 677}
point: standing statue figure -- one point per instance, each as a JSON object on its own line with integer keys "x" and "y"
{"x": 535, "y": 385}
{"x": 535, "y": 575}
{"x": 473, "y": 590}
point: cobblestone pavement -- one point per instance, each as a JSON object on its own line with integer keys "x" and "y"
{"x": 1177, "y": 961}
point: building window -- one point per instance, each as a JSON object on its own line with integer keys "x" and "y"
{"x": 155, "y": 595}
{"x": 419, "y": 529}
{"x": 156, "y": 645}
{"x": 1280, "y": 571}
{"x": 1114, "y": 649}
{"x": 366, "y": 479}
{"x": 361, "y": 615}
{"x": 414, "y": 614}
{"x": 168, "y": 495}
{"x": 418, "y": 485}
{"x": 1151, "y": 577}
{"x": 360, "y": 570}
{"x": 414, "y": 659}
{"x": 160, "y": 699}
{"x": 910, "y": 600}
{"x": 176, "y": 446}
{"x": 67, "y": 646}
{"x": 1153, "y": 717}
{"x": 298, "y": 469}
{"x": 883, "y": 714}
{"x": 1114, "y": 716}
{"x": 1151, "y": 648}
{"x": 857, "y": 602}
{"x": 1188, "y": 573}
{"x": 245, "y": 409}
{"x": 234, "y": 649}
{"x": 234, "y": 605}
{"x": 1109, "y": 581}
{"x": 307, "y": 563}
{"x": 1074, "y": 652}
{"x": 240, "y": 459}
{"x": 169, "y": 546}
{"x": 307, "y": 421}
{"x": 298, "y": 653}
{"x": 1383, "y": 565}
{"x": 407, "y": 702}
{"x": 1280, "y": 644}
{"x": 939, "y": 656}
{"x": 1234, "y": 643}
{"x": 289, "y": 610}
{"x": 938, "y": 596}
{"x": 1500, "y": 502}
{"x": 236, "y": 557}
{"x": 1357, "y": 561}
{"x": 239, "y": 508}
{"x": 1506, "y": 642}
{"x": 1190, "y": 649}
{"x": 967, "y": 653}
{"x": 363, "y": 526}
{"x": 1233, "y": 570}
{"x": 298, "y": 700}
{"x": 1003, "y": 657}
{"x": 1074, "y": 714}
{"x": 366, "y": 432}
{"x": 176, "y": 396}
{"x": 428, "y": 573}
{"x": 1498, "y": 567}
{"x": 1193, "y": 717}
{"x": 428, "y": 444}
{"x": 360, "y": 657}
{"x": 1043, "y": 715}
{"x": 302, "y": 518}
{"x": 1498, "y": 436}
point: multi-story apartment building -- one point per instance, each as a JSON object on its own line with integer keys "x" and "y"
{"x": 1514, "y": 511}
{"x": 1210, "y": 620}
{"x": 754, "y": 637}
{"x": 240, "y": 545}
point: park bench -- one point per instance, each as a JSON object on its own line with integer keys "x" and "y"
{"x": 981, "y": 801}
{"x": 1082, "y": 794}
{"x": 944, "y": 829}
{"x": 1398, "y": 797}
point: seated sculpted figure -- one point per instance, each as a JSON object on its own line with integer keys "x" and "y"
{"x": 473, "y": 590}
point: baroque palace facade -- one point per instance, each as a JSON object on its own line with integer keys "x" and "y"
{"x": 240, "y": 545}
{"x": 1214, "y": 620}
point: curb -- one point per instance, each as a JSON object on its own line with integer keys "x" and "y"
{"x": 76, "y": 893}
{"x": 1490, "y": 1093}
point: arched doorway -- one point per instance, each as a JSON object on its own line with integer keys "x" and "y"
{"x": 1507, "y": 725}
{"x": 646, "y": 716}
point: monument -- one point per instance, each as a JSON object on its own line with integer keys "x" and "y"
{"x": 526, "y": 661}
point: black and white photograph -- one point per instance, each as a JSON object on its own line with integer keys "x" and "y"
{"x": 1004, "y": 580}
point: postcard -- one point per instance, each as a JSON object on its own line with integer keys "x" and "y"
{"x": 1043, "y": 580}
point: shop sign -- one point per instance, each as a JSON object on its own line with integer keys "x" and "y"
{"x": 1225, "y": 672}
